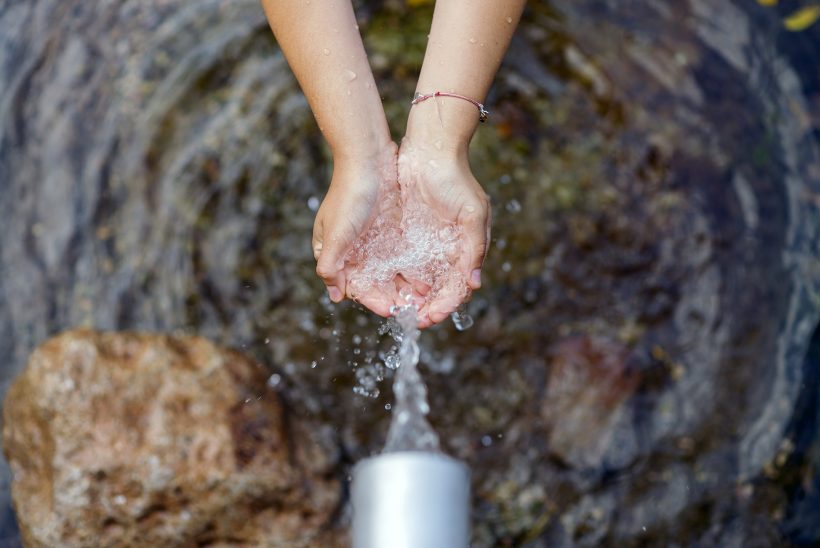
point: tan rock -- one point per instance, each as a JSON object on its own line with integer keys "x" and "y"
{"x": 150, "y": 440}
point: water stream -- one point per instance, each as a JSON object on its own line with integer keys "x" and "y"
{"x": 409, "y": 429}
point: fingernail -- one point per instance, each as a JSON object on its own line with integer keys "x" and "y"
{"x": 475, "y": 277}
{"x": 334, "y": 293}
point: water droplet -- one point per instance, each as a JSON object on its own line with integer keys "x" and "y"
{"x": 486, "y": 441}
{"x": 274, "y": 380}
{"x": 357, "y": 339}
{"x": 247, "y": 400}
{"x": 388, "y": 407}
{"x": 514, "y": 206}
{"x": 504, "y": 179}
{"x": 438, "y": 144}
{"x": 473, "y": 40}
{"x": 506, "y": 267}
{"x": 313, "y": 203}
{"x": 267, "y": 340}
{"x": 501, "y": 243}
{"x": 509, "y": 20}
{"x": 326, "y": 51}
{"x": 313, "y": 364}
{"x": 350, "y": 75}
{"x": 461, "y": 320}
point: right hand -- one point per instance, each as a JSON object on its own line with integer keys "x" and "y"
{"x": 354, "y": 199}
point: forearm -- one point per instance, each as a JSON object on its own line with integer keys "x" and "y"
{"x": 322, "y": 44}
{"x": 468, "y": 39}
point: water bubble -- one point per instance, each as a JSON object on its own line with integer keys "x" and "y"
{"x": 313, "y": 203}
{"x": 391, "y": 361}
{"x": 461, "y": 320}
{"x": 406, "y": 294}
{"x": 325, "y": 51}
{"x": 509, "y": 20}
{"x": 505, "y": 179}
{"x": 350, "y": 75}
{"x": 368, "y": 393}
{"x": 501, "y": 243}
{"x": 274, "y": 380}
{"x": 356, "y": 339}
{"x": 514, "y": 206}
{"x": 388, "y": 407}
{"x": 313, "y": 364}
{"x": 486, "y": 441}
{"x": 506, "y": 267}
{"x": 267, "y": 340}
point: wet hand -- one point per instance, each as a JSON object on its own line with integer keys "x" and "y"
{"x": 441, "y": 180}
{"x": 355, "y": 198}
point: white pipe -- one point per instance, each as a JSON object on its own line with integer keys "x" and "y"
{"x": 411, "y": 500}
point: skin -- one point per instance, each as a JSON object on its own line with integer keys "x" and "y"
{"x": 322, "y": 44}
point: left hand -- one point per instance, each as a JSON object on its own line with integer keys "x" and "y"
{"x": 441, "y": 181}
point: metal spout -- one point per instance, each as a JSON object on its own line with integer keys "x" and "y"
{"x": 411, "y": 500}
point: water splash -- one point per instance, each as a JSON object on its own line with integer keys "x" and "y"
{"x": 409, "y": 429}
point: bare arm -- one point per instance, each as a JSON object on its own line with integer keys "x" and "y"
{"x": 321, "y": 42}
{"x": 468, "y": 39}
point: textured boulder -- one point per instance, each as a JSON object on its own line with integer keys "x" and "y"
{"x": 138, "y": 440}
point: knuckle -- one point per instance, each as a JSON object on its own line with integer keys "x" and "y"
{"x": 324, "y": 271}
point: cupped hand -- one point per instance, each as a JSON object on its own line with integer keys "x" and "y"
{"x": 360, "y": 191}
{"x": 441, "y": 181}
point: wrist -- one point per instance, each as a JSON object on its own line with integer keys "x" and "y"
{"x": 365, "y": 166}
{"x": 445, "y": 123}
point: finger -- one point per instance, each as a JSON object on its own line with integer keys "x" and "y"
{"x": 330, "y": 268}
{"x": 419, "y": 287}
{"x": 475, "y": 219}
{"x": 409, "y": 291}
{"x": 377, "y": 302}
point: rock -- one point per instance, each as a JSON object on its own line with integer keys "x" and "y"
{"x": 588, "y": 384}
{"x": 126, "y": 439}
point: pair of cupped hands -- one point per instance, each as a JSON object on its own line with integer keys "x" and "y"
{"x": 441, "y": 180}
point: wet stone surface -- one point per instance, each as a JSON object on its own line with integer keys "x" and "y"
{"x": 653, "y": 283}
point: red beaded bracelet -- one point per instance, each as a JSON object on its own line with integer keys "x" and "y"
{"x": 482, "y": 112}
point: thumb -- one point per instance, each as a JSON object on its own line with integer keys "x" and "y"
{"x": 329, "y": 257}
{"x": 476, "y": 221}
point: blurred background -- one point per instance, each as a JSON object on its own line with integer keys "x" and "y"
{"x": 643, "y": 368}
